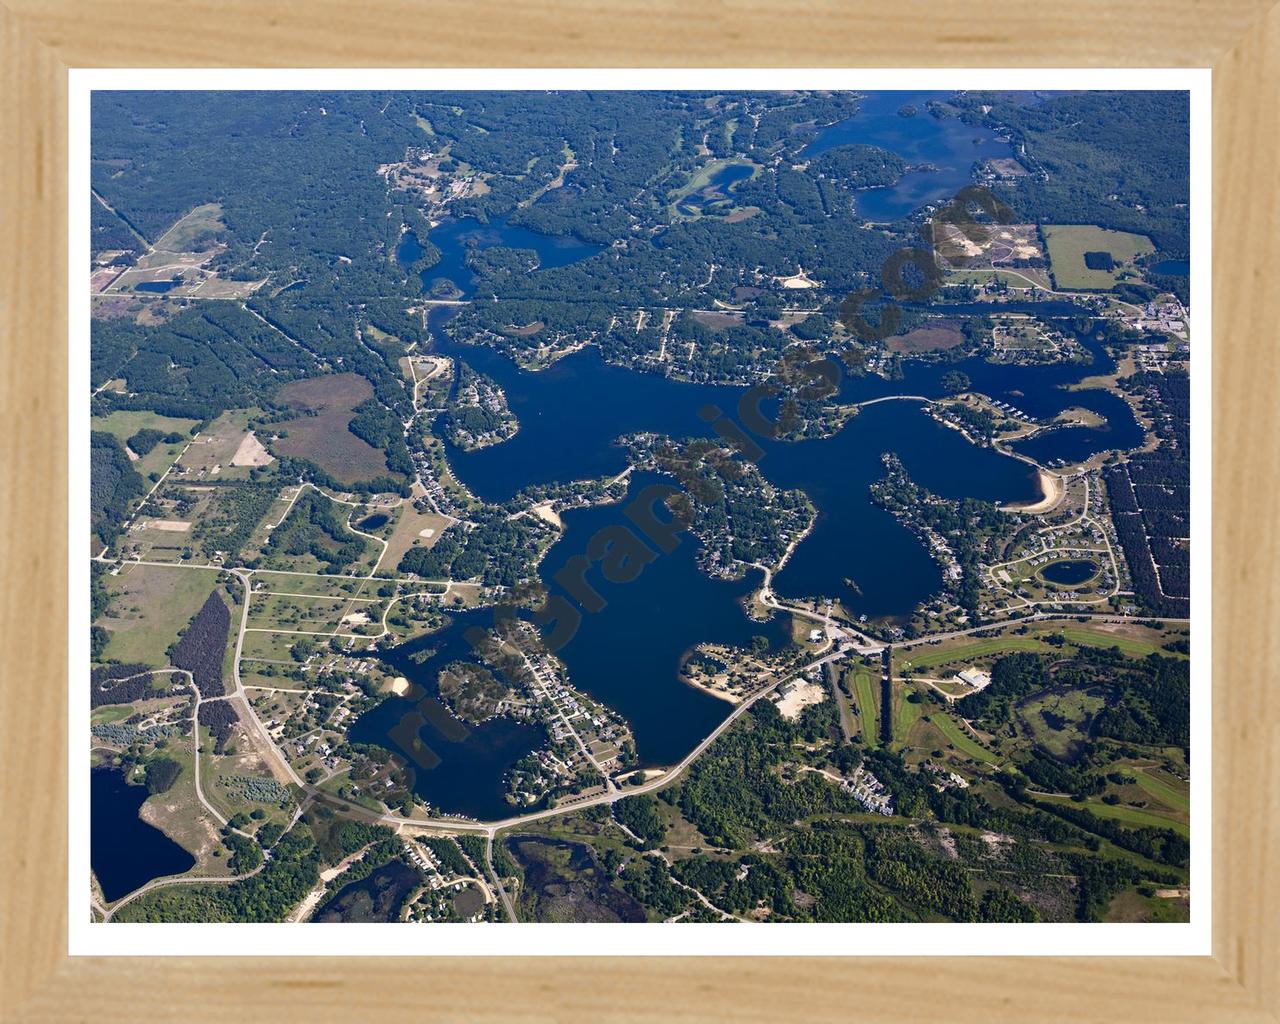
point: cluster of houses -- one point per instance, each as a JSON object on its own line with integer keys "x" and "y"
{"x": 869, "y": 792}
{"x": 945, "y": 779}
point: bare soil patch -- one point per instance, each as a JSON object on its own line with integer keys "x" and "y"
{"x": 251, "y": 452}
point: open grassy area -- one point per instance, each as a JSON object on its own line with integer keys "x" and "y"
{"x": 1166, "y": 792}
{"x": 149, "y": 605}
{"x": 412, "y": 529}
{"x": 930, "y": 657}
{"x": 1067, "y": 244}
{"x": 320, "y": 586}
{"x": 905, "y": 712}
{"x": 1082, "y": 636}
{"x": 1129, "y": 815}
{"x": 276, "y": 646}
{"x": 960, "y": 739}
{"x": 865, "y": 686}
{"x": 1022, "y": 277}
{"x": 123, "y": 424}
{"x": 309, "y": 614}
{"x": 1133, "y": 640}
{"x": 1058, "y": 719}
{"x": 211, "y": 455}
{"x": 193, "y": 232}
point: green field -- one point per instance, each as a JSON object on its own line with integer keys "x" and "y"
{"x": 1079, "y": 636}
{"x": 929, "y": 657}
{"x": 193, "y": 232}
{"x": 1083, "y": 637}
{"x": 1024, "y": 278}
{"x": 149, "y": 605}
{"x": 1160, "y": 790}
{"x": 960, "y": 739}
{"x": 1067, "y": 244}
{"x": 905, "y": 714}
{"x": 864, "y": 685}
{"x": 309, "y": 614}
{"x": 1128, "y": 815}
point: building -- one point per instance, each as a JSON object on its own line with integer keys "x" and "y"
{"x": 974, "y": 677}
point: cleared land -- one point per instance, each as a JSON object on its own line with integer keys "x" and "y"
{"x": 213, "y": 451}
{"x": 195, "y": 231}
{"x": 323, "y": 438}
{"x": 1067, "y": 244}
{"x": 412, "y": 529}
{"x": 960, "y": 739}
{"x": 150, "y": 604}
{"x": 926, "y": 339}
{"x": 123, "y": 424}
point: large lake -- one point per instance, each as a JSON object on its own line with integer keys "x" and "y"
{"x": 573, "y": 413}
{"x": 939, "y": 152}
{"x": 627, "y": 655}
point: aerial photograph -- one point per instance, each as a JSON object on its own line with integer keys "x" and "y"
{"x": 638, "y": 506}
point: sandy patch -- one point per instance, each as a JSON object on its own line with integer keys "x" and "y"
{"x": 356, "y": 619}
{"x": 1053, "y": 489}
{"x": 544, "y": 511}
{"x": 251, "y": 452}
{"x": 799, "y": 280}
{"x": 428, "y": 533}
{"x": 800, "y": 697}
{"x": 168, "y": 525}
{"x": 399, "y": 686}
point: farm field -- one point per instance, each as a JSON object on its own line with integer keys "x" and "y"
{"x": 323, "y": 438}
{"x": 1067, "y": 244}
{"x": 149, "y": 605}
{"x": 210, "y": 457}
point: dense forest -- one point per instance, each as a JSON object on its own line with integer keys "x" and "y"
{"x": 203, "y": 646}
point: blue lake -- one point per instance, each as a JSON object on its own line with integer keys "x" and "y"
{"x": 456, "y": 237}
{"x": 572, "y": 414}
{"x": 1173, "y": 268}
{"x": 627, "y": 655}
{"x": 1069, "y": 574}
{"x": 124, "y": 851}
{"x": 156, "y": 286}
{"x": 945, "y": 150}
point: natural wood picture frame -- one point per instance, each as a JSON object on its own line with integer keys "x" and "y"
{"x": 42, "y": 39}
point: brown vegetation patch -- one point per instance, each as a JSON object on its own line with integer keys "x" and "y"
{"x": 716, "y": 321}
{"x": 926, "y": 339}
{"x": 323, "y": 438}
